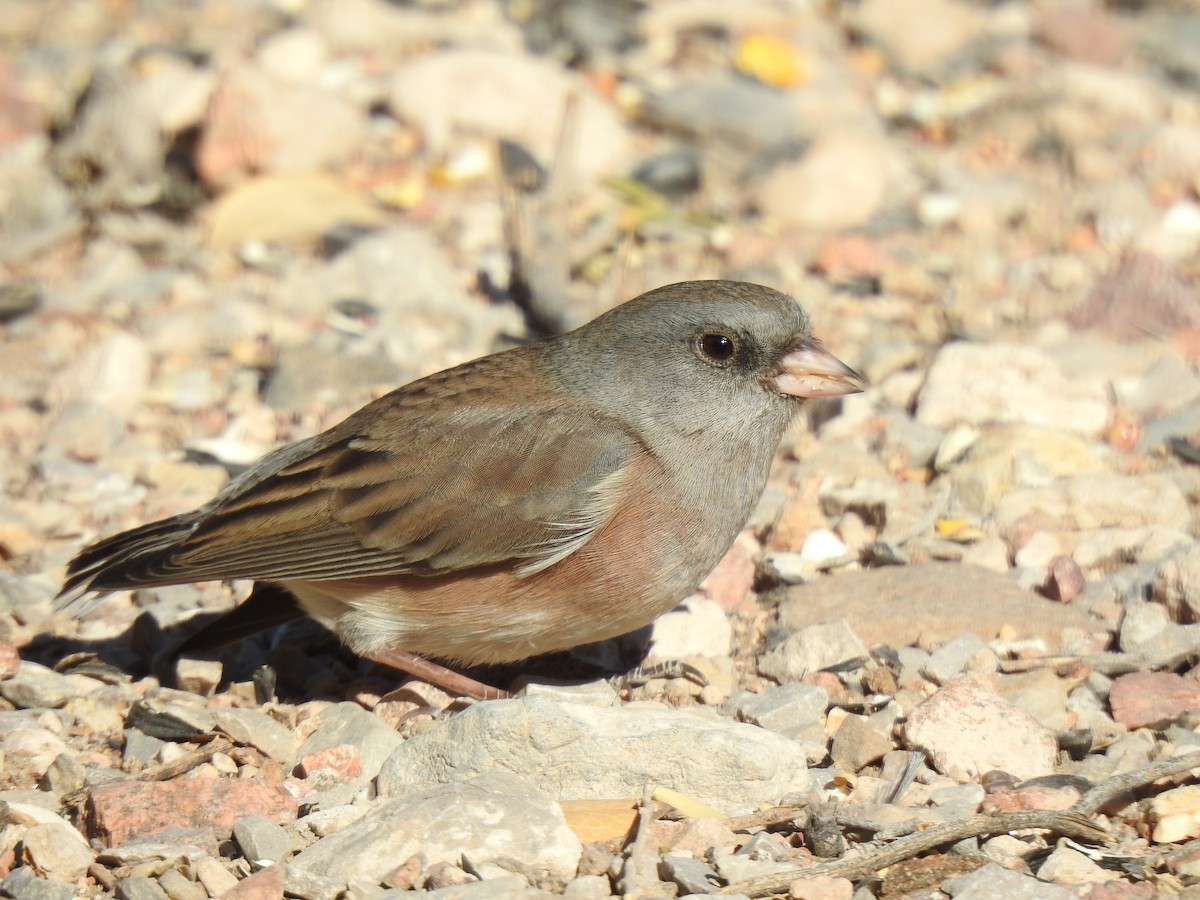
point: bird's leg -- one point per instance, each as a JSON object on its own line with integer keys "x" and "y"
{"x": 438, "y": 675}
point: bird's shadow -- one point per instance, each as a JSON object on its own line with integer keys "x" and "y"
{"x": 305, "y": 660}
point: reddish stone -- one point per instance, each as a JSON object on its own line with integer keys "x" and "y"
{"x": 851, "y": 255}
{"x": 1065, "y": 581}
{"x": 728, "y": 585}
{"x": 10, "y": 660}
{"x": 265, "y": 884}
{"x": 118, "y": 812}
{"x": 1031, "y": 797}
{"x": 1142, "y": 699}
{"x": 342, "y": 760}
{"x": 1084, "y": 33}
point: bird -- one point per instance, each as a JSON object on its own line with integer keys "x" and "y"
{"x": 546, "y": 496}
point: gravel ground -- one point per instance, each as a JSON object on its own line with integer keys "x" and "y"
{"x": 953, "y": 653}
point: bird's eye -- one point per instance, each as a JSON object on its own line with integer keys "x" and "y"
{"x": 716, "y": 347}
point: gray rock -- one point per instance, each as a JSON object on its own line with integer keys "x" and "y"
{"x": 735, "y": 112}
{"x": 308, "y": 375}
{"x": 139, "y": 887}
{"x": 991, "y": 881}
{"x": 951, "y": 658}
{"x": 496, "y": 817}
{"x": 1106, "y": 549}
{"x": 349, "y": 723}
{"x": 38, "y": 687}
{"x": 38, "y": 209}
{"x": 250, "y": 726}
{"x": 57, "y": 851}
{"x": 812, "y": 649}
{"x": 787, "y": 709}
{"x": 505, "y": 887}
{"x": 300, "y": 882}
{"x": 584, "y": 752}
{"x": 83, "y": 430}
{"x": 23, "y": 884}
{"x": 1177, "y": 584}
{"x": 179, "y": 887}
{"x": 262, "y": 838}
{"x": 694, "y": 876}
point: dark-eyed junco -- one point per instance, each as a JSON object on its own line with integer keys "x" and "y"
{"x": 544, "y": 497}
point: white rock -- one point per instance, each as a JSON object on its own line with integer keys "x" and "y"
{"x": 584, "y": 752}
{"x": 1008, "y": 383}
{"x": 698, "y": 627}
{"x": 968, "y": 730}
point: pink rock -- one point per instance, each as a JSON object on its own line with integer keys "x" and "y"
{"x": 117, "y": 812}
{"x": 265, "y": 884}
{"x": 1140, "y": 699}
{"x": 342, "y": 760}
{"x": 728, "y": 585}
{"x": 968, "y": 729}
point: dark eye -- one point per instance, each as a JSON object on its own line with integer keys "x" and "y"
{"x": 716, "y": 347}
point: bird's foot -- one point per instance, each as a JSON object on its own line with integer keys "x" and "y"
{"x": 447, "y": 679}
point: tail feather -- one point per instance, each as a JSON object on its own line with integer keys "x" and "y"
{"x": 135, "y": 558}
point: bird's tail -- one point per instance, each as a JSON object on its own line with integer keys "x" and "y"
{"x": 131, "y": 559}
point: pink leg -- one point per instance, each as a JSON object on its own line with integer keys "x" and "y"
{"x": 447, "y": 679}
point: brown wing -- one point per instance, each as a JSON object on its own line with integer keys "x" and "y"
{"x": 443, "y": 474}
{"x": 500, "y": 486}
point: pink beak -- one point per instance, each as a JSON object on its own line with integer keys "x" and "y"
{"x": 809, "y": 370}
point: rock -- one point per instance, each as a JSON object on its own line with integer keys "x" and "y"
{"x": 952, "y": 658}
{"x": 38, "y": 210}
{"x": 1097, "y": 501}
{"x": 584, "y": 752}
{"x": 1177, "y": 584}
{"x": 1067, "y": 867}
{"x": 856, "y": 744}
{"x": 841, "y": 182}
{"x": 1145, "y": 699}
{"x": 257, "y": 729}
{"x": 1176, "y": 814}
{"x": 990, "y": 881}
{"x": 259, "y": 123}
{"x": 37, "y": 687}
{"x": 349, "y": 723}
{"x": 788, "y": 709}
{"x": 496, "y": 817}
{"x": 952, "y": 27}
{"x": 727, "y": 112}
{"x": 117, "y": 812}
{"x": 1087, "y": 34}
{"x": 898, "y": 606}
{"x": 967, "y": 730}
{"x": 1005, "y": 457}
{"x": 57, "y": 851}
{"x": 1142, "y": 294}
{"x": 813, "y": 648}
{"x": 286, "y": 207}
{"x": 23, "y": 884}
{"x": 140, "y": 887}
{"x": 1024, "y": 386}
{"x": 507, "y": 96}
{"x": 698, "y": 627}
{"x": 262, "y": 839}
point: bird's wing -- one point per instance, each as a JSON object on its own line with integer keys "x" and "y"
{"x": 414, "y": 488}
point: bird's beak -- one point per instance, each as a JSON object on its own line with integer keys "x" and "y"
{"x": 809, "y": 370}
